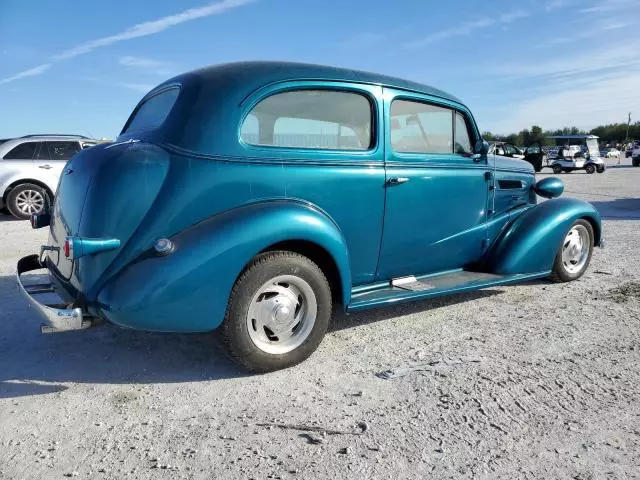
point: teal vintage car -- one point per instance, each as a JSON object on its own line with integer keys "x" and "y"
{"x": 254, "y": 198}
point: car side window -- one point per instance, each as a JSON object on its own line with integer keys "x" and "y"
{"x": 462, "y": 137}
{"x": 24, "y": 151}
{"x": 313, "y": 119}
{"x": 62, "y": 150}
{"x": 509, "y": 149}
{"x": 43, "y": 152}
{"x": 421, "y": 128}
{"x": 533, "y": 149}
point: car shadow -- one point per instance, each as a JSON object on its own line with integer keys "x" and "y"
{"x": 7, "y": 217}
{"x": 342, "y": 320}
{"x": 32, "y": 363}
{"x": 35, "y": 364}
{"x": 619, "y": 209}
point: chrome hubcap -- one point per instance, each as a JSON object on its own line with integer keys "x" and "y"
{"x": 575, "y": 249}
{"x": 282, "y": 314}
{"x": 30, "y": 201}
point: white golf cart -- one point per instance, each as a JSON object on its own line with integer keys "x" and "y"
{"x": 577, "y": 152}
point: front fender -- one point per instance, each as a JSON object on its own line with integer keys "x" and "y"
{"x": 530, "y": 243}
{"x": 188, "y": 290}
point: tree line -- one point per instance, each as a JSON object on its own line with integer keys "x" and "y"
{"x": 614, "y": 134}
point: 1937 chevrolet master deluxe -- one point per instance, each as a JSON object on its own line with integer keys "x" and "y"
{"x": 252, "y": 197}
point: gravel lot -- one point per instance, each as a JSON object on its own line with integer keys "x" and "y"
{"x": 532, "y": 381}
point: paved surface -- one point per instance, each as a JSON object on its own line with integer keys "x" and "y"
{"x": 533, "y": 381}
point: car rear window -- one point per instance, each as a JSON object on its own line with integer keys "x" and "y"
{"x": 152, "y": 112}
{"x": 24, "y": 151}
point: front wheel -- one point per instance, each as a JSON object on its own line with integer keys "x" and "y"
{"x": 278, "y": 312}
{"x": 26, "y": 199}
{"x": 635, "y": 161}
{"x": 557, "y": 169}
{"x": 574, "y": 254}
{"x": 590, "y": 169}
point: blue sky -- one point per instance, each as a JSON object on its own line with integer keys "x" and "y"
{"x": 75, "y": 66}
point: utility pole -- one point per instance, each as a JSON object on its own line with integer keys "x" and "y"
{"x": 628, "y": 124}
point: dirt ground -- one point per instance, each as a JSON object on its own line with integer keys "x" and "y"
{"x": 532, "y": 381}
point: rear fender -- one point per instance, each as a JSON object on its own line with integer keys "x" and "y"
{"x": 188, "y": 290}
{"x": 530, "y": 243}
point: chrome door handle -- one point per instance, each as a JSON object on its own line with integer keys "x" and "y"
{"x": 397, "y": 181}
{"x": 45, "y": 166}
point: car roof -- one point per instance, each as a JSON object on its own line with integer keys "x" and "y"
{"x": 573, "y": 137}
{"x": 255, "y": 74}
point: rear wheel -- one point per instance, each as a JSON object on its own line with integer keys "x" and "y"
{"x": 574, "y": 254}
{"x": 26, "y": 199}
{"x": 635, "y": 161}
{"x": 557, "y": 169}
{"x": 600, "y": 169}
{"x": 278, "y": 312}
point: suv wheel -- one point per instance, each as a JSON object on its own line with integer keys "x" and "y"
{"x": 26, "y": 199}
{"x": 278, "y": 312}
{"x": 590, "y": 168}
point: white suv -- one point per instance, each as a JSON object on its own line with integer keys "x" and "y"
{"x": 30, "y": 168}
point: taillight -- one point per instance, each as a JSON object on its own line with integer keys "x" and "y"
{"x": 67, "y": 248}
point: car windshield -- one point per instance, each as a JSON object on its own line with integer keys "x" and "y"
{"x": 592, "y": 147}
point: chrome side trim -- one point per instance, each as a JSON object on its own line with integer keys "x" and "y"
{"x": 56, "y": 319}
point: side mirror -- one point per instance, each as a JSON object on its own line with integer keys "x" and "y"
{"x": 482, "y": 147}
{"x": 549, "y": 187}
{"x": 481, "y": 150}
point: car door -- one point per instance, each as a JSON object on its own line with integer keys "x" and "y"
{"x": 53, "y": 156}
{"x": 436, "y": 191}
{"x": 511, "y": 151}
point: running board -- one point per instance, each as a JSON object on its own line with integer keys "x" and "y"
{"x": 411, "y": 288}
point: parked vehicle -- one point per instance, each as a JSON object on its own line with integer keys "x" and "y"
{"x": 611, "y": 153}
{"x": 628, "y": 152}
{"x": 505, "y": 150}
{"x": 30, "y": 168}
{"x": 635, "y": 155}
{"x": 536, "y": 156}
{"x": 321, "y": 186}
{"x": 577, "y": 152}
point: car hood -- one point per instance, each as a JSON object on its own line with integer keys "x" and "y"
{"x": 510, "y": 164}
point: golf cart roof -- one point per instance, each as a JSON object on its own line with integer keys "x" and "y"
{"x": 573, "y": 137}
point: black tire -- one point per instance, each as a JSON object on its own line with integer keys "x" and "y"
{"x": 559, "y": 272}
{"x": 557, "y": 169}
{"x": 635, "y": 161}
{"x": 590, "y": 169}
{"x": 600, "y": 169}
{"x": 235, "y": 329}
{"x": 16, "y": 197}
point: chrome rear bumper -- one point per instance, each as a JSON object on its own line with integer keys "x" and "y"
{"x": 57, "y": 317}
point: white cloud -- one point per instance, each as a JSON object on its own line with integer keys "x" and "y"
{"x": 468, "y": 27}
{"x": 154, "y": 26}
{"x": 148, "y": 65}
{"x": 614, "y": 56}
{"x": 598, "y": 26}
{"x": 595, "y": 103}
{"x": 32, "y": 72}
{"x": 555, "y": 4}
{"x": 609, "y": 5}
{"x": 137, "y": 87}
{"x": 140, "y": 30}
